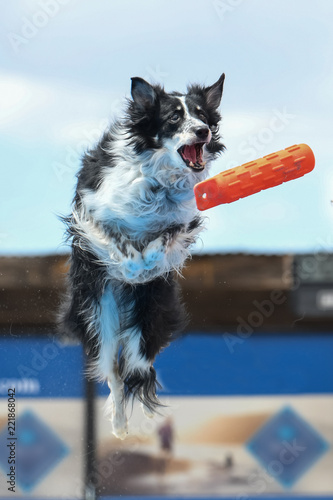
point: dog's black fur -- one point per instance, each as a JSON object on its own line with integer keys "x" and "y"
{"x": 133, "y": 219}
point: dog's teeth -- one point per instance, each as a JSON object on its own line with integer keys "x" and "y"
{"x": 203, "y": 163}
{"x": 191, "y": 164}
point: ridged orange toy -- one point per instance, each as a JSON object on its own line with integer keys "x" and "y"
{"x": 252, "y": 177}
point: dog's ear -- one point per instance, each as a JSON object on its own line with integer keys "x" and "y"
{"x": 143, "y": 93}
{"x": 214, "y": 92}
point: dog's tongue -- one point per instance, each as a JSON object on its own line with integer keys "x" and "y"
{"x": 189, "y": 153}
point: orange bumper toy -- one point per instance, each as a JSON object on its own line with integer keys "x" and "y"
{"x": 255, "y": 176}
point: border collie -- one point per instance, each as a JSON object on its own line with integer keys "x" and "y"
{"x": 134, "y": 219}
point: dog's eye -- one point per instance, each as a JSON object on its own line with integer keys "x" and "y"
{"x": 174, "y": 118}
{"x": 203, "y": 117}
{"x": 214, "y": 128}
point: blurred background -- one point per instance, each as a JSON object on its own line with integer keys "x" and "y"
{"x": 249, "y": 386}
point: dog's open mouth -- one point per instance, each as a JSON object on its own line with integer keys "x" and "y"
{"x": 192, "y": 155}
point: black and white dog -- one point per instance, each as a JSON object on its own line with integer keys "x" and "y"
{"x": 134, "y": 218}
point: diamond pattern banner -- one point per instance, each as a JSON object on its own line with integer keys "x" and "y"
{"x": 38, "y": 450}
{"x": 287, "y": 446}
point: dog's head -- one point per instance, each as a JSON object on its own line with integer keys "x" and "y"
{"x": 180, "y": 130}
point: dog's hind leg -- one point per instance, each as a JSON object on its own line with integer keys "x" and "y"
{"x": 148, "y": 397}
{"x": 118, "y": 410}
{"x": 137, "y": 372}
{"x": 107, "y": 363}
{"x": 115, "y": 406}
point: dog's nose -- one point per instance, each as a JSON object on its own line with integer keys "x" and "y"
{"x": 202, "y": 133}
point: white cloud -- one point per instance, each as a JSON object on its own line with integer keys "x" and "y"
{"x": 18, "y": 97}
{"x": 52, "y": 110}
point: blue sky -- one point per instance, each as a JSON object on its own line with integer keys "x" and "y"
{"x": 66, "y": 66}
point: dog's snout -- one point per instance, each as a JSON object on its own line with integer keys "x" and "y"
{"x": 202, "y": 133}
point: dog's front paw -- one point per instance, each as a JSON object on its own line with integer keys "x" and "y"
{"x": 132, "y": 265}
{"x": 153, "y": 254}
{"x": 132, "y": 268}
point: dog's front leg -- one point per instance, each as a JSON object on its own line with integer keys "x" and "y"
{"x": 118, "y": 411}
{"x": 154, "y": 253}
{"x": 129, "y": 260}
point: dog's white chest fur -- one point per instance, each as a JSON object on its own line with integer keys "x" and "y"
{"x": 127, "y": 220}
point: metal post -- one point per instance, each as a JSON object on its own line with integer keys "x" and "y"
{"x": 90, "y": 444}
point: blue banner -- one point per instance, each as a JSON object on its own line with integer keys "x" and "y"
{"x": 262, "y": 364}
{"x": 41, "y": 368}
